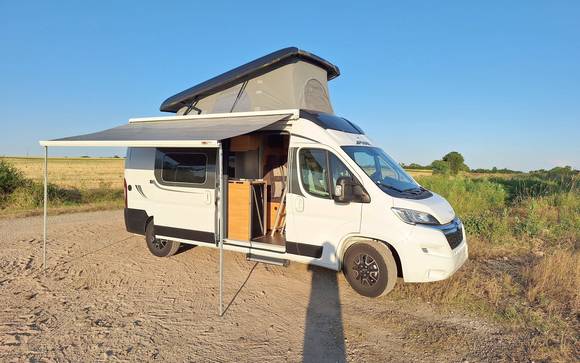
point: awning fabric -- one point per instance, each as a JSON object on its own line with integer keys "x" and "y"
{"x": 175, "y": 131}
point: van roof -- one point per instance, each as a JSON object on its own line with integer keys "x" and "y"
{"x": 245, "y": 72}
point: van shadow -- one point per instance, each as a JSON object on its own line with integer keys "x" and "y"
{"x": 324, "y": 331}
{"x": 184, "y": 247}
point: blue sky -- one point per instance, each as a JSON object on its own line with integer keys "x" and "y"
{"x": 497, "y": 81}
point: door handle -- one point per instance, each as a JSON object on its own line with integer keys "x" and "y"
{"x": 299, "y": 204}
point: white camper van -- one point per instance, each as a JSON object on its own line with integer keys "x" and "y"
{"x": 275, "y": 174}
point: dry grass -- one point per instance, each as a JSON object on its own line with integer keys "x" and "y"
{"x": 419, "y": 172}
{"x": 88, "y": 207}
{"x": 75, "y": 184}
{"x": 555, "y": 277}
{"x": 81, "y": 173}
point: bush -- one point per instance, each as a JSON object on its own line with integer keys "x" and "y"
{"x": 467, "y": 196}
{"x": 440, "y": 167}
{"x": 10, "y": 178}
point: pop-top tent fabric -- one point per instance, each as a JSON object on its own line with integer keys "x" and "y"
{"x": 286, "y": 79}
{"x": 173, "y": 131}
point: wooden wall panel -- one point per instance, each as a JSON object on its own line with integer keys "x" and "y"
{"x": 239, "y": 210}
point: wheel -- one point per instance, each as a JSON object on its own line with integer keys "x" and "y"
{"x": 370, "y": 269}
{"x": 159, "y": 247}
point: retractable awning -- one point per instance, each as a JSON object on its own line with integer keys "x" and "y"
{"x": 175, "y": 131}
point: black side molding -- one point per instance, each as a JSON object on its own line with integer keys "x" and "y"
{"x": 135, "y": 220}
{"x": 303, "y": 249}
{"x": 188, "y": 234}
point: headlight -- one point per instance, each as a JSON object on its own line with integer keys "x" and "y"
{"x": 414, "y": 217}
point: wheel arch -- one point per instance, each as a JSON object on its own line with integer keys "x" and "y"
{"x": 349, "y": 241}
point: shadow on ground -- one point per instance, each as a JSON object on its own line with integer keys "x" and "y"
{"x": 324, "y": 331}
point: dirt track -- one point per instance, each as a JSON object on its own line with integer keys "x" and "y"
{"x": 104, "y": 297}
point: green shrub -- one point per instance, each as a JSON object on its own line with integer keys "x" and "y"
{"x": 492, "y": 226}
{"x": 536, "y": 185}
{"x": 466, "y": 196}
{"x": 10, "y": 178}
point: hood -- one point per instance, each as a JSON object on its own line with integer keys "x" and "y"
{"x": 436, "y": 205}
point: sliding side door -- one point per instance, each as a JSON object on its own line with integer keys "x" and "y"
{"x": 182, "y": 192}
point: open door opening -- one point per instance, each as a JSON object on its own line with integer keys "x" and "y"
{"x": 257, "y": 168}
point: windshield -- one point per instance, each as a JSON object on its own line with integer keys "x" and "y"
{"x": 383, "y": 170}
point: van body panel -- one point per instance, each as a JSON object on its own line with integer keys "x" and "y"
{"x": 311, "y": 222}
{"x": 320, "y": 221}
{"x": 435, "y": 205}
{"x": 175, "y": 208}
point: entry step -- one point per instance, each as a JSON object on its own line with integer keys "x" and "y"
{"x": 267, "y": 259}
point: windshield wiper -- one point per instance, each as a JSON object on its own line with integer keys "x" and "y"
{"x": 389, "y": 187}
{"x": 415, "y": 190}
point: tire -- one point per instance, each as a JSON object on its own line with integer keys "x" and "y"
{"x": 159, "y": 247}
{"x": 370, "y": 269}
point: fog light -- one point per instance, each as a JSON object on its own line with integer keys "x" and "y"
{"x": 435, "y": 275}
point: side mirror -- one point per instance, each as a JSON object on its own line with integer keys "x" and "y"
{"x": 343, "y": 190}
{"x": 348, "y": 190}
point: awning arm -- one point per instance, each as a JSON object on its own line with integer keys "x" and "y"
{"x": 221, "y": 227}
{"x": 44, "y": 220}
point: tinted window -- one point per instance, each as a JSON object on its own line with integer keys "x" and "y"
{"x": 332, "y": 122}
{"x": 184, "y": 167}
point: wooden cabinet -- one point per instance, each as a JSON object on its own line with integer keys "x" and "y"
{"x": 246, "y": 209}
{"x": 272, "y": 212}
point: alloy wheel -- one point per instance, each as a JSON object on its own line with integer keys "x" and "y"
{"x": 366, "y": 269}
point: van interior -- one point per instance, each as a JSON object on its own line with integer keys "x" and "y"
{"x": 257, "y": 180}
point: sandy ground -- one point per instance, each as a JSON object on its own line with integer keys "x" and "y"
{"x": 104, "y": 297}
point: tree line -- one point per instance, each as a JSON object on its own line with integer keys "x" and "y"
{"x": 453, "y": 162}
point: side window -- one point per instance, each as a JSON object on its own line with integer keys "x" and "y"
{"x": 189, "y": 168}
{"x": 319, "y": 171}
{"x": 314, "y": 172}
{"x": 184, "y": 167}
{"x": 338, "y": 169}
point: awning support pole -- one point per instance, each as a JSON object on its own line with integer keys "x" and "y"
{"x": 221, "y": 228}
{"x": 45, "y": 207}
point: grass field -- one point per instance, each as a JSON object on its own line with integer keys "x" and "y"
{"x": 524, "y": 265}
{"x": 75, "y": 184}
{"x": 523, "y": 231}
{"x": 82, "y": 173}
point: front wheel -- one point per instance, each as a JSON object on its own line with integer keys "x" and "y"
{"x": 158, "y": 246}
{"x": 370, "y": 269}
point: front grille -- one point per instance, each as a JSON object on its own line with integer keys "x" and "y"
{"x": 454, "y": 237}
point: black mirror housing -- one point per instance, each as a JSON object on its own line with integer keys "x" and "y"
{"x": 348, "y": 190}
{"x": 343, "y": 191}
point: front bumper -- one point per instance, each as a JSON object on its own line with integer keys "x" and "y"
{"x": 434, "y": 253}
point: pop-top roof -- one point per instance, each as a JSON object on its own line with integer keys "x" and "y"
{"x": 271, "y": 92}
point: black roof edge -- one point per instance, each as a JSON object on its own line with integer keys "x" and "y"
{"x": 249, "y": 70}
{"x": 331, "y": 121}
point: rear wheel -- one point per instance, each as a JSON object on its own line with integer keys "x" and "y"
{"x": 370, "y": 269}
{"x": 158, "y": 246}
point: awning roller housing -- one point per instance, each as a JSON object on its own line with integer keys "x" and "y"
{"x": 175, "y": 131}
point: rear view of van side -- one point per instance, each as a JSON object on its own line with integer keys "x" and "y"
{"x": 302, "y": 184}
